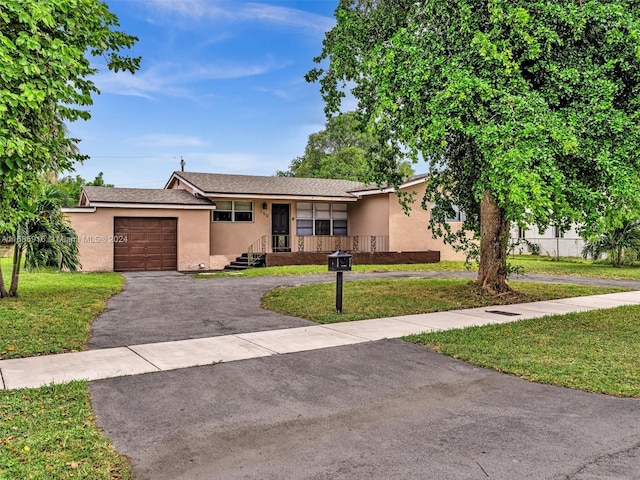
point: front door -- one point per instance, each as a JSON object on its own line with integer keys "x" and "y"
{"x": 280, "y": 227}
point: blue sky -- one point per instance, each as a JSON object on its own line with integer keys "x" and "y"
{"x": 221, "y": 84}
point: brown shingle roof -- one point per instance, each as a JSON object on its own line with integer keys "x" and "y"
{"x": 142, "y": 195}
{"x": 212, "y": 183}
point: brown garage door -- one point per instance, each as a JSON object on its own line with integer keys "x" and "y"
{"x": 145, "y": 244}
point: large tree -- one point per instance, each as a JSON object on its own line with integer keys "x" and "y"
{"x": 338, "y": 151}
{"x": 527, "y": 111}
{"x": 45, "y": 81}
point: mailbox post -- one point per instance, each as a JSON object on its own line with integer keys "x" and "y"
{"x": 339, "y": 262}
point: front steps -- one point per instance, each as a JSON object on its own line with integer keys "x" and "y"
{"x": 242, "y": 262}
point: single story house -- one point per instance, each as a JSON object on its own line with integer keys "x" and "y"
{"x": 204, "y": 221}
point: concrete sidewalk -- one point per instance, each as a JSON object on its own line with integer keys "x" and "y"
{"x": 154, "y": 357}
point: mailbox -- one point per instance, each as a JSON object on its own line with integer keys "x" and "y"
{"x": 339, "y": 261}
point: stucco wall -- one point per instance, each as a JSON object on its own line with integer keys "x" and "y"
{"x": 233, "y": 238}
{"x": 369, "y": 215}
{"x": 411, "y": 233}
{"x": 95, "y": 232}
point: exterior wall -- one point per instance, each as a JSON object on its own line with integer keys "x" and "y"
{"x": 411, "y": 233}
{"x": 570, "y": 244}
{"x": 95, "y": 232}
{"x": 233, "y": 238}
{"x": 218, "y": 262}
{"x": 369, "y": 215}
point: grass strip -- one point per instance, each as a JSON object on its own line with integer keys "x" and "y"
{"x": 50, "y": 433}
{"x": 594, "y": 351}
{"x": 392, "y": 297}
{"x": 529, "y": 264}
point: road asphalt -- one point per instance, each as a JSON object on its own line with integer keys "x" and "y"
{"x": 382, "y": 409}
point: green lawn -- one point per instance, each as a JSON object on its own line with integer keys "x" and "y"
{"x": 529, "y": 264}
{"x": 53, "y": 311}
{"x": 595, "y": 351}
{"x": 574, "y": 266}
{"x": 49, "y": 432}
{"x": 386, "y": 298}
{"x": 318, "y": 269}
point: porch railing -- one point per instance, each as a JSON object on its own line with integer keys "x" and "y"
{"x": 317, "y": 244}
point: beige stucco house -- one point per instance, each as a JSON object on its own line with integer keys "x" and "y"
{"x": 203, "y": 221}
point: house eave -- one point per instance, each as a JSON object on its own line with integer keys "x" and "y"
{"x": 363, "y": 193}
{"x": 78, "y": 209}
{"x": 320, "y": 198}
{"x": 172, "y": 206}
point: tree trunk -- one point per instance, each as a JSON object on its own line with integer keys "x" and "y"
{"x": 494, "y": 239}
{"x": 15, "y": 271}
{"x": 3, "y": 288}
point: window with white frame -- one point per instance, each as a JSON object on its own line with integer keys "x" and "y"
{"x": 458, "y": 215}
{"x": 233, "y": 211}
{"x": 321, "y": 218}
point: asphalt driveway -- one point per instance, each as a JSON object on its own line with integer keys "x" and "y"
{"x": 169, "y": 306}
{"x": 377, "y": 410}
{"x": 382, "y": 410}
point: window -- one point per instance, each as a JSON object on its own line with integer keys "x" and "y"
{"x": 557, "y": 231}
{"x": 521, "y": 232}
{"x": 321, "y": 219}
{"x": 233, "y": 211}
{"x": 458, "y": 216}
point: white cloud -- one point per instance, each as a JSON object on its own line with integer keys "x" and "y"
{"x": 173, "y": 79}
{"x": 245, "y": 12}
{"x": 168, "y": 140}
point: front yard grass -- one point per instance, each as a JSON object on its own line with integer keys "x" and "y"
{"x": 574, "y": 267}
{"x": 319, "y": 269}
{"x": 53, "y": 311}
{"x": 50, "y": 432}
{"x": 392, "y": 297}
{"x": 529, "y": 264}
{"x": 594, "y": 351}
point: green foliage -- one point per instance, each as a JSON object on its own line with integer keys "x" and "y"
{"x": 46, "y": 81}
{"x": 47, "y": 237}
{"x": 617, "y": 242}
{"x": 45, "y": 77}
{"x": 339, "y": 151}
{"x": 535, "y": 103}
{"x": 70, "y": 188}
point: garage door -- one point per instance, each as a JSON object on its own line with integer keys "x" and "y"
{"x": 145, "y": 244}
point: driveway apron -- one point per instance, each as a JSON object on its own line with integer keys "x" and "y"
{"x": 381, "y": 410}
{"x": 378, "y": 410}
